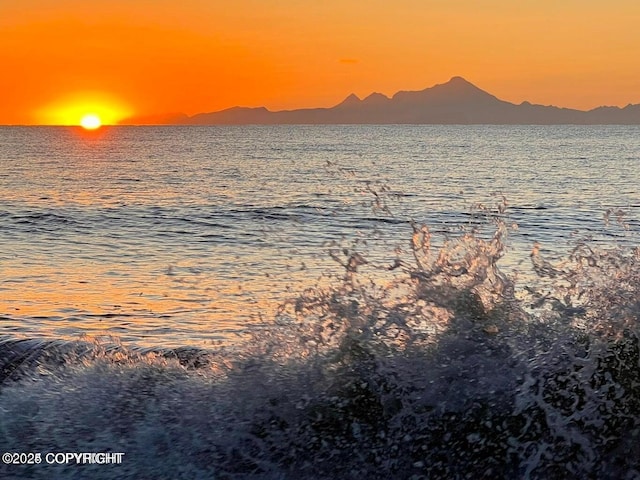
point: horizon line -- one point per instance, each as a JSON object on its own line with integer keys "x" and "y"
{"x": 351, "y": 96}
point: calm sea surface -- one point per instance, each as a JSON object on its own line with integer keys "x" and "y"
{"x": 175, "y": 236}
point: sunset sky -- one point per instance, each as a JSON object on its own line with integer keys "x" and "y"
{"x": 117, "y": 58}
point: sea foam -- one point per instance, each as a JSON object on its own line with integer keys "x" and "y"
{"x": 431, "y": 364}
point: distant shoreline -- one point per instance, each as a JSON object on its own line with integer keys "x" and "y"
{"x": 456, "y": 102}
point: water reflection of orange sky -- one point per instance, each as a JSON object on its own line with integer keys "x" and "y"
{"x": 172, "y": 308}
{"x": 95, "y": 168}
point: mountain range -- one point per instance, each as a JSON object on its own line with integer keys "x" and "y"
{"x": 454, "y": 102}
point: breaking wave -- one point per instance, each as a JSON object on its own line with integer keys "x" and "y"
{"x": 432, "y": 364}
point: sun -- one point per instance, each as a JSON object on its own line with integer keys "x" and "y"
{"x": 88, "y": 109}
{"x": 90, "y": 121}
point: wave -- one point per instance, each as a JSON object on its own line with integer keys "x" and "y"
{"x": 434, "y": 364}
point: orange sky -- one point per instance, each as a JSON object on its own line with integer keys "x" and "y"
{"x": 63, "y": 58}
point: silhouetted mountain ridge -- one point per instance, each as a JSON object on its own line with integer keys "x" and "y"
{"x": 457, "y": 101}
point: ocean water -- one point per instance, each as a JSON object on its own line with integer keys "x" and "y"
{"x": 321, "y": 301}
